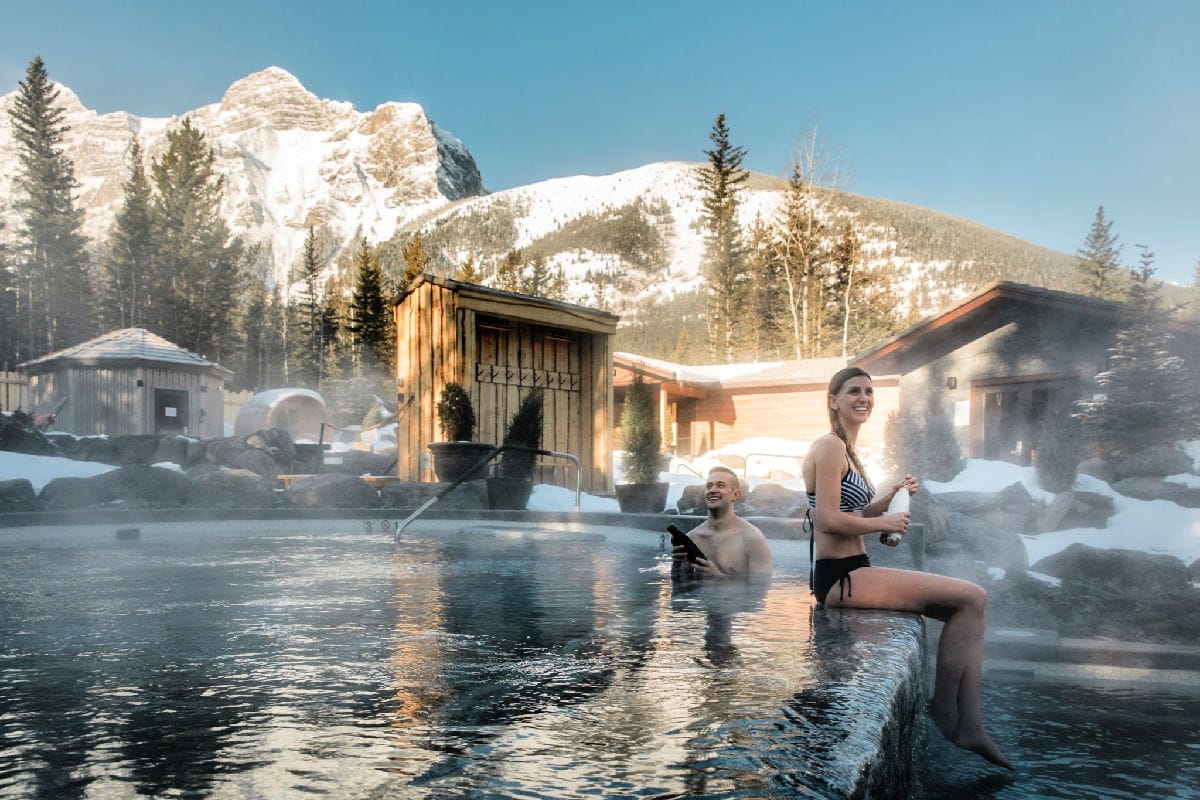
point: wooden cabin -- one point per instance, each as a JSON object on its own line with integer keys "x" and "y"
{"x": 500, "y": 346}
{"x": 129, "y": 381}
{"x": 705, "y": 407}
{"x": 1006, "y": 358}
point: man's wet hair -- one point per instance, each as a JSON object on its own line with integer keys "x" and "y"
{"x": 736, "y": 483}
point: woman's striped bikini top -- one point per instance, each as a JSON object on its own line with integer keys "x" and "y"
{"x": 857, "y": 492}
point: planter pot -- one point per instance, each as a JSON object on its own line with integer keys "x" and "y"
{"x": 646, "y": 498}
{"x": 452, "y": 460}
{"x": 509, "y": 493}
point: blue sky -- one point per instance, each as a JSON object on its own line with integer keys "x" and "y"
{"x": 1022, "y": 116}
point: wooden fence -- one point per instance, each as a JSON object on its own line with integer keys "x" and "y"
{"x": 14, "y": 392}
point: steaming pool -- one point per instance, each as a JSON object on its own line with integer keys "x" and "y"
{"x": 477, "y": 658}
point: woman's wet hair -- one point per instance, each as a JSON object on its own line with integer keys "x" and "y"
{"x": 835, "y": 385}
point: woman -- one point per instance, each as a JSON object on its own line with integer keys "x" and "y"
{"x": 844, "y": 509}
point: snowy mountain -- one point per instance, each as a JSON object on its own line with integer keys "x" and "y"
{"x": 289, "y": 160}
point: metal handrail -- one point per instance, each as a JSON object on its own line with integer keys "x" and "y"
{"x": 421, "y": 509}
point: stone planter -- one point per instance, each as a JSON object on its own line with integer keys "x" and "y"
{"x": 453, "y": 460}
{"x": 645, "y": 498}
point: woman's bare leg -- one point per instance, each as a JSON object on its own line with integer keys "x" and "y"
{"x": 962, "y": 607}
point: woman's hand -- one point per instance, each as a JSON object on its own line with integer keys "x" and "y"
{"x": 894, "y": 522}
{"x": 909, "y": 484}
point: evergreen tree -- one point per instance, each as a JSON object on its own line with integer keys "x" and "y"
{"x": 371, "y": 316}
{"x": 545, "y": 281}
{"x": 9, "y": 322}
{"x": 128, "y": 288}
{"x": 764, "y": 321}
{"x": 469, "y": 271}
{"x": 724, "y": 262}
{"x": 310, "y": 311}
{"x": 1147, "y": 391}
{"x": 54, "y": 280}
{"x": 804, "y": 255}
{"x": 1100, "y": 260}
{"x": 509, "y": 275}
{"x": 416, "y": 260}
{"x": 201, "y": 267}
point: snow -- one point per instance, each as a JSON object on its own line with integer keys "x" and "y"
{"x": 1150, "y": 526}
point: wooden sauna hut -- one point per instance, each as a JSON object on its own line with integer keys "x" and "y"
{"x": 500, "y": 346}
{"x": 129, "y": 381}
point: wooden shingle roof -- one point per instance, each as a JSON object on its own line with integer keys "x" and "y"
{"x": 127, "y": 346}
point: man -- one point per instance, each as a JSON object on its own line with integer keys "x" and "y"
{"x": 732, "y": 546}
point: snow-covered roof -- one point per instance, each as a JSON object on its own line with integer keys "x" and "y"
{"x": 755, "y": 373}
{"x": 127, "y": 345}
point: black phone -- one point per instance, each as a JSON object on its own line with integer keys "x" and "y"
{"x": 690, "y": 548}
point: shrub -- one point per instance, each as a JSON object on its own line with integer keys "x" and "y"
{"x": 456, "y": 414}
{"x": 525, "y": 428}
{"x": 921, "y": 441}
{"x": 640, "y": 439}
{"x": 1060, "y": 448}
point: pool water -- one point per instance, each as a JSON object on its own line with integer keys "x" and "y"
{"x": 244, "y": 661}
{"x": 1089, "y": 742}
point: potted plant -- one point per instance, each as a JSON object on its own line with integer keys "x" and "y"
{"x": 640, "y": 452}
{"x": 453, "y": 458}
{"x": 512, "y": 484}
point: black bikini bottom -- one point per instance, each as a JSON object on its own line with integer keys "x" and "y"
{"x": 828, "y": 571}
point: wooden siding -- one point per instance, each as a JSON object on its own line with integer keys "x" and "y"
{"x": 499, "y": 352}
{"x": 14, "y": 393}
{"x": 108, "y": 401}
{"x": 726, "y": 416}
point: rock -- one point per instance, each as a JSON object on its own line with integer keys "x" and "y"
{"x": 231, "y": 488}
{"x": 773, "y": 500}
{"x": 1019, "y": 600}
{"x": 17, "y": 495}
{"x": 139, "y": 449}
{"x": 172, "y": 450}
{"x": 70, "y": 493}
{"x": 67, "y": 444}
{"x": 1147, "y": 488}
{"x": 1154, "y": 462}
{"x": 691, "y": 500}
{"x": 278, "y": 443}
{"x": 1097, "y": 468}
{"x": 467, "y": 495}
{"x": 1052, "y": 516}
{"x": 996, "y": 546}
{"x": 1014, "y": 499}
{"x": 332, "y": 490}
{"x": 1194, "y": 570}
{"x": 18, "y": 434}
{"x": 931, "y": 514}
{"x": 224, "y": 452}
{"x": 142, "y": 486}
{"x": 259, "y": 462}
{"x": 99, "y": 449}
{"x": 1115, "y": 571}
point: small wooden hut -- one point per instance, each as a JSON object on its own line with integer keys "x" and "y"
{"x": 129, "y": 381}
{"x": 500, "y": 346}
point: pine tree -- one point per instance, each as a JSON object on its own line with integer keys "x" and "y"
{"x": 371, "y": 316}
{"x": 545, "y": 281}
{"x": 509, "y": 271}
{"x": 416, "y": 260}
{"x": 9, "y": 322}
{"x": 200, "y": 267}
{"x": 309, "y": 313}
{"x": 1100, "y": 260}
{"x": 53, "y": 274}
{"x": 469, "y": 271}
{"x": 724, "y": 262}
{"x": 128, "y": 289}
{"x": 1147, "y": 390}
{"x": 765, "y": 320}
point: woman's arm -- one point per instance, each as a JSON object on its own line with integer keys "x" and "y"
{"x": 829, "y": 459}
{"x": 880, "y": 503}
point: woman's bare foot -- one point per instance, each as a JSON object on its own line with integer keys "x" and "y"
{"x": 981, "y": 744}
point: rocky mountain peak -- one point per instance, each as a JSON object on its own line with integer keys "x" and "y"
{"x": 272, "y": 97}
